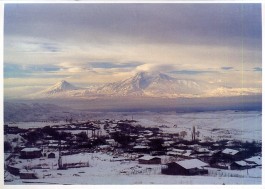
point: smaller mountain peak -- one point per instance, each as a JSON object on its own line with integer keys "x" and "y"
{"x": 60, "y": 86}
{"x": 63, "y": 82}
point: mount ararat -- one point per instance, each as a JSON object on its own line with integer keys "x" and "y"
{"x": 144, "y": 84}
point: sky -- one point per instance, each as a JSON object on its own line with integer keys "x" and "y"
{"x": 101, "y": 43}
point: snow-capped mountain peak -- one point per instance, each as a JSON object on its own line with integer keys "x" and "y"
{"x": 60, "y": 87}
{"x": 154, "y": 84}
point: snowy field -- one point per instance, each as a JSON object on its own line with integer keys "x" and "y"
{"x": 244, "y": 126}
{"x": 102, "y": 170}
{"x": 239, "y": 125}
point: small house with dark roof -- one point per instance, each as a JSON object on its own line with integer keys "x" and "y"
{"x": 241, "y": 165}
{"x": 30, "y": 153}
{"x": 185, "y": 167}
{"x": 27, "y": 174}
{"x": 51, "y": 155}
{"x": 227, "y": 156}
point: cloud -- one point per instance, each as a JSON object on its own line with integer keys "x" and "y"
{"x": 50, "y": 47}
{"x": 20, "y": 91}
{"x": 31, "y": 45}
{"x": 17, "y": 71}
{"x": 107, "y": 65}
{"x": 150, "y": 23}
{"x": 257, "y": 69}
{"x": 227, "y": 68}
{"x": 192, "y": 72}
{"x": 14, "y": 71}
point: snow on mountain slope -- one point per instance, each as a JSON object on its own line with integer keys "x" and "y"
{"x": 225, "y": 91}
{"x": 59, "y": 87}
{"x": 153, "y": 84}
{"x": 144, "y": 84}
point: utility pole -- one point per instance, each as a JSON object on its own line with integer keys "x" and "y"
{"x": 193, "y": 134}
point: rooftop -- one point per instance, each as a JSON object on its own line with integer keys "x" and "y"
{"x": 230, "y": 151}
{"x": 191, "y": 163}
{"x": 255, "y": 159}
{"x": 30, "y": 149}
{"x": 148, "y": 157}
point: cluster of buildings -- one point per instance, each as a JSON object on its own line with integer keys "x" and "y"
{"x": 147, "y": 145}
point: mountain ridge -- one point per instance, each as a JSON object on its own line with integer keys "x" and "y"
{"x": 144, "y": 84}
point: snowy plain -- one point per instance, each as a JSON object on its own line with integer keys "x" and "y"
{"x": 239, "y": 125}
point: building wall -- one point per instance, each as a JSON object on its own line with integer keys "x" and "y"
{"x": 175, "y": 169}
{"x": 13, "y": 170}
{"x": 152, "y": 161}
{"x": 30, "y": 155}
{"x": 28, "y": 176}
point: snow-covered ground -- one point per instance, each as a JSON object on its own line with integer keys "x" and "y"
{"x": 245, "y": 126}
{"x": 240, "y": 125}
{"x": 103, "y": 170}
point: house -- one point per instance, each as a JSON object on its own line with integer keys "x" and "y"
{"x": 206, "y": 157}
{"x": 168, "y": 143}
{"x": 104, "y": 147}
{"x": 26, "y": 174}
{"x": 176, "y": 152}
{"x": 141, "y": 148}
{"x": 51, "y": 155}
{"x": 149, "y": 160}
{"x": 240, "y": 165}
{"x": 111, "y": 142}
{"x": 229, "y": 152}
{"x": 13, "y": 169}
{"x": 254, "y": 159}
{"x": 202, "y": 150}
{"x": 187, "y": 154}
{"x": 158, "y": 153}
{"x": 230, "y": 155}
{"x": 185, "y": 167}
{"x": 30, "y": 153}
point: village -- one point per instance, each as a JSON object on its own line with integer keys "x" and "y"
{"x": 39, "y": 154}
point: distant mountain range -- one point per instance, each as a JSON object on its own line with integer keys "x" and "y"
{"x": 144, "y": 84}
